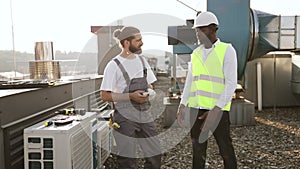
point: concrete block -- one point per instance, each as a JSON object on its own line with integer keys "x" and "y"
{"x": 169, "y": 115}
{"x": 242, "y": 112}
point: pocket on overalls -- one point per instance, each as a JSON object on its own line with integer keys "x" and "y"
{"x": 139, "y": 84}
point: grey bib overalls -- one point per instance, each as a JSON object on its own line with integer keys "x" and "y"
{"x": 136, "y": 126}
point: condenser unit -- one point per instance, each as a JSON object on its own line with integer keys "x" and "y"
{"x": 67, "y": 146}
{"x": 104, "y": 142}
{"x": 104, "y": 137}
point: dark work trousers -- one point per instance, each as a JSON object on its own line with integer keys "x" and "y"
{"x": 222, "y": 136}
{"x": 129, "y": 135}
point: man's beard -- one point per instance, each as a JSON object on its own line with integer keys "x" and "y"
{"x": 135, "y": 50}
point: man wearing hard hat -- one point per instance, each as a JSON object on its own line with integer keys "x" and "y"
{"x": 209, "y": 87}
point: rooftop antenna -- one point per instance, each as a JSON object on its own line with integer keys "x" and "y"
{"x": 189, "y": 7}
{"x": 13, "y": 38}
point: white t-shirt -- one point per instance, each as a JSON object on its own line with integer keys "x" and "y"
{"x": 113, "y": 79}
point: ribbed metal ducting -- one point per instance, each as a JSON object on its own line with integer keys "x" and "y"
{"x": 254, "y": 33}
{"x": 277, "y": 33}
{"x": 40, "y": 70}
{"x": 272, "y": 32}
{"x": 44, "y": 67}
{"x": 43, "y": 51}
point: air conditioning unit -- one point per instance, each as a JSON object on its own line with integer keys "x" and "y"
{"x": 104, "y": 142}
{"x": 67, "y": 146}
{"x": 104, "y": 137}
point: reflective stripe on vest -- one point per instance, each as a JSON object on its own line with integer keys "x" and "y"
{"x": 208, "y": 78}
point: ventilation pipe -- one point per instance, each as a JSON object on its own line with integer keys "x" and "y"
{"x": 259, "y": 86}
{"x": 44, "y": 67}
{"x": 295, "y": 82}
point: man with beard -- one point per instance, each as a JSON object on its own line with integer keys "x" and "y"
{"x": 127, "y": 79}
{"x": 210, "y": 85}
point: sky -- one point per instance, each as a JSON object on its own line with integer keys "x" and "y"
{"x": 67, "y": 22}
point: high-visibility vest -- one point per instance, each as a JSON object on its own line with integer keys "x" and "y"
{"x": 208, "y": 78}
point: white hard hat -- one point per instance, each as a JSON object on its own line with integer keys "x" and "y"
{"x": 205, "y": 19}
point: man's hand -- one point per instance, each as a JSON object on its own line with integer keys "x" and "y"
{"x": 212, "y": 119}
{"x": 203, "y": 117}
{"x": 139, "y": 96}
{"x": 180, "y": 115}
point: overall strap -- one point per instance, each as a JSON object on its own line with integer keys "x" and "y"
{"x": 125, "y": 74}
{"x": 144, "y": 67}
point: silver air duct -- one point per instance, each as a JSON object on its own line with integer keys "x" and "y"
{"x": 44, "y": 67}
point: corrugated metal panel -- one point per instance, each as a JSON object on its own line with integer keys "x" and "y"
{"x": 81, "y": 149}
{"x": 276, "y": 83}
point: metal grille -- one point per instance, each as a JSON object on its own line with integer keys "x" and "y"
{"x": 103, "y": 142}
{"x": 13, "y": 138}
{"x": 81, "y": 144}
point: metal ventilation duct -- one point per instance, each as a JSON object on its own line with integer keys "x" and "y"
{"x": 259, "y": 32}
{"x": 44, "y": 51}
{"x": 271, "y": 32}
{"x": 44, "y": 67}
